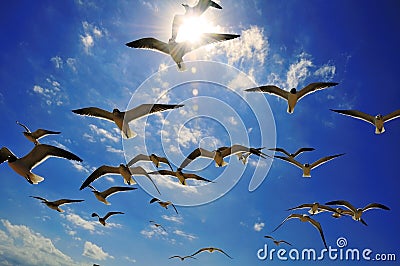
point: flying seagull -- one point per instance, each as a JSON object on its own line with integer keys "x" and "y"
{"x": 37, "y": 134}
{"x": 102, "y": 196}
{"x": 277, "y": 242}
{"x": 219, "y": 154}
{"x": 293, "y": 96}
{"x": 164, "y": 204}
{"x": 178, "y": 50}
{"x": 211, "y": 250}
{"x": 122, "y": 119}
{"x": 180, "y": 175}
{"x": 314, "y": 208}
{"x": 152, "y": 158}
{"x": 292, "y": 155}
{"x": 378, "y": 121}
{"x": 356, "y": 213}
{"x": 194, "y": 11}
{"x": 305, "y": 218}
{"x": 182, "y": 258}
{"x": 102, "y": 220}
{"x": 200, "y": 8}
{"x": 123, "y": 170}
{"x": 55, "y": 204}
{"x": 157, "y": 225}
{"x": 36, "y": 156}
{"x": 308, "y": 167}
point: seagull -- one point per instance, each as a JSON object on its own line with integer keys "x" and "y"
{"x": 219, "y": 154}
{"x": 356, "y": 213}
{"x": 36, "y": 156}
{"x": 315, "y": 208}
{"x": 293, "y": 96}
{"x": 308, "y": 167}
{"x": 157, "y": 225}
{"x": 123, "y": 170}
{"x": 101, "y": 196}
{"x": 200, "y": 8}
{"x": 102, "y": 220}
{"x": 164, "y": 204}
{"x": 36, "y": 135}
{"x": 180, "y": 175}
{"x": 194, "y": 11}
{"x": 178, "y": 50}
{"x": 211, "y": 249}
{"x": 305, "y": 218}
{"x": 152, "y": 157}
{"x": 277, "y": 242}
{"x": 182, "y": 258}
{"x": 55, "y": 204}
{"x": 291, "y": 155}
{"x": 122, "y": 119}
{"x": 378, "y": 121}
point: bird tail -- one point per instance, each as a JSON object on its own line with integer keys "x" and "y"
{"x": 34, "y": 179}
{"x": 222, "y": 164}
{"x": 181, "y": 66}
{"x": 127, "y": 133}
{"x": 379, "y": 130}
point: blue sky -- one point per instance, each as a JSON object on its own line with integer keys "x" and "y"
{"x": 62, "y": 55}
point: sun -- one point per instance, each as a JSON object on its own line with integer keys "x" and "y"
{"x": 192, "y": 28}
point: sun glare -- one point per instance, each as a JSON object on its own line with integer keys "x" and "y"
{"x": 192, "y": 28}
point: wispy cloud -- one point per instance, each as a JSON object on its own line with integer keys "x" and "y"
{"x": 151, "y": 5}
{"x": 80, "y": 222}
{"x": 173, "y": 218}
{"x": 52, "y": 93}
{"x": 91, "y": 33}
{"x": 93, "y": 251}
{"x": 106, "y": 135}
{"x": 20, "y": 245}
{"x": 57, "y": 61}
{"x": 298, "y": 71}
{"x": 185, "y": 235}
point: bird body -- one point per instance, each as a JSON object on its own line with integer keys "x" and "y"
{"x": 55, "y": 205}
{"x": 308, "y": 167}
{"x": 356, "y": 213}
{"x": 211, "y": 250}
{"x": 102, "y": 196}
{"x": 305, "y": 218}
{"x": 102, "y": 220}
{"x": 314, "y": 208}
{"x": 37, "y": 134}
{"x": 36, "y": 156}
{"x": 277, "y": 242}
{"x": 292, "y": 155}
{"x": 292, "y": 96}
{"x": 156, "y": 160}
{"x": 378, "y": 120}
{"x": 122, "y": 119}
{"x": 164, "y": 204}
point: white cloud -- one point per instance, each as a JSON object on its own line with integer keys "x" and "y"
{"x": 92, "y": 32}
{"x": 52, "y": 93}
{"x": 80, "y": 166}
{"x": 87, "y": 42}
{"x": 95, "y": 252}
{"x": 258, "y": 226}
{"x": 103, "y": 133}
{"x": 71, "y": 62}
{"x": 185, "y": 235}
{"x": 175, "y": 219}
{"x": 57, "y": 61}
{"x": 130, "y": 259}
{"x": 151, "y": 5}
{"x": 327, "y": 72}
{"x": 114, "y": 150}
{"x": 251, "y": 46}
{"x": 20, "y": 245}
{"x": 298, "y": 72}
{"x": 80, "y": 222}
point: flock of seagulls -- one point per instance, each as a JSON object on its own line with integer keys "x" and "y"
{"x": 40, "y": 152}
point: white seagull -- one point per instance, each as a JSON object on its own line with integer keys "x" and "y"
{"x": 102, "y": 220}
{"x": 152, "y": 158}
{"x": 314, "y": 208}
{"x": 293, "y": 96}
{"x": 308, "y": 167}
{"x": 180, "y": 175}
{"x": 164, "y": 204}
{"x": 305, "y": 218}
{"x": 36, "y": 156}
{"x": 103, "y": 195}
{"x": 219, "y": 154}
{"x": 378, "y": 120}
{"x": 123, "y": 170}
{"x": 356, "y": 213}
{"x": 178, "y": 50}
{"x": 122, "y": 119}
{"x": 37, "y": 134}
{"x": 292, "y": 155}
{"x": 55, "y": 204}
